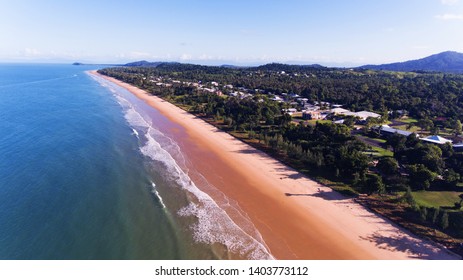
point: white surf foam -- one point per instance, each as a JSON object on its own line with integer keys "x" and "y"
{"x": 155, "y": 191}
{"x": 213, "y": 224}
{"x": 135, "y": 132}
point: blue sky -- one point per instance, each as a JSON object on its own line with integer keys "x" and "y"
{"x": 330, "y": 32}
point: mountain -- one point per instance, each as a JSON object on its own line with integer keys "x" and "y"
{"x": 288, "y": 67}
{"x": 451, "y": 62}
{"x": 143, "y": 63}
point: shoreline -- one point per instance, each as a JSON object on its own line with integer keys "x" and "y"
{"x": 313, "y": 222}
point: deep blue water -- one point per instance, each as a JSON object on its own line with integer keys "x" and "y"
{"x": 73, "y": 184}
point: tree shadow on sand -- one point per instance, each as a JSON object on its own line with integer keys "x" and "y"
{"x": 405, "y": 244}
{"x": 250, "y": 151}
{"x": 330, "y": 195}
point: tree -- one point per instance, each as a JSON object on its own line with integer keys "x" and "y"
{"x": 423, "y": 213}
{"x": 434, "y": 130}
{"x": 388, "y": 165}
{"x": 420, "y": 176}
{"x": 412, "y": 140}
{"x": 447, "y": 150}
{"x": 408, "y": 197}
{"x": 431, "y": 157}
{"x": 451, "y": 177}
{"x": 444, "y": 220}
{"x": 457, "y": 128}
{"x": 434, "y": 215}
{"x": 373, "y": 184}
{"x": 396, "y": 142}
{"x": 425, "y": 124}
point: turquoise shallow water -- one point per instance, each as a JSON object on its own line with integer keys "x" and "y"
{"x": 88, "y": 171}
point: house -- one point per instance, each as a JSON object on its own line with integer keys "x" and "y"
{"x": 210, "y": 90}
{"x": 386, "y": 130}
{"x": 290, "y": 111}
{"x": 310, "y": 107}
{"x": 363, "y": 115}
{"x": 312, "y": 115}
{"x": 339, "y": 111}
{"x": 436, "y": 139}
{"x": 302, "y": 100}
{"x": 277, "y": 98}
{"x": 322, "y": 103}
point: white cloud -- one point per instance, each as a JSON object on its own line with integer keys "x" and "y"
{"x": 31, "y": 52}
{"x": 206, "y": 57}
{"x": 185, "y": 56}
{"x": 450, "y": 17}
{"x": 449, "y": 2}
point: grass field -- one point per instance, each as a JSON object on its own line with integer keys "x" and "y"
{"x": 379, "y": 140}
{"x": 408, "y": 120}
{"x": 404, "y": 127}
{"x": 436, "y": 199}
{"x": 379, "y": 152}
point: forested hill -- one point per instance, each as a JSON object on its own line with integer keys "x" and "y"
{"x": 450, "y": 62}
{"x": 287, "y": 68}
{"x": 144, "y": 63}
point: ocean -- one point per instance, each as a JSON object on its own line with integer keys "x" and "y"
{"x": 88, "y": 171}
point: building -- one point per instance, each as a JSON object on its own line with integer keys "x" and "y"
{"x": 340, "y": 111}
{"x": 386, "y": 130}
{"x": 277, "y": 98}
{"x": 302, "y": 100}
{"x": 310, "y": 107}
{"x": 290, "y": 111}
{"x": 312, "y": 115}
{"x": 436, "y": 139}
{"x": 363, "y": 115}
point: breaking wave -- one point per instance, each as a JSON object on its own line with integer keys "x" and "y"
{"x": 213, "y": 225}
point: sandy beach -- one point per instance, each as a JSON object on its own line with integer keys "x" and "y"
{"x": 297, "y": 217}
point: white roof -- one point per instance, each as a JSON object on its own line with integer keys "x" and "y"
{"x": 436, "y": 139}
{"x": 366, "y": 114}
{"x": 339, "y": 111}
{"x": 391, "y": 130}
{"x": 290, "y": 110}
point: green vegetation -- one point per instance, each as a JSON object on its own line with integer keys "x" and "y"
{"x": 314, "y": 122}
{"x": 408, "y": 120}
{"x": 413, "y": 128}
{"x": 420, "y": 179}
{"x": 378, "y": 151}
{"x": 437, "y": 198}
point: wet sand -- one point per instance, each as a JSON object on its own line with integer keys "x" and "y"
{"x": 297, "y": 217}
